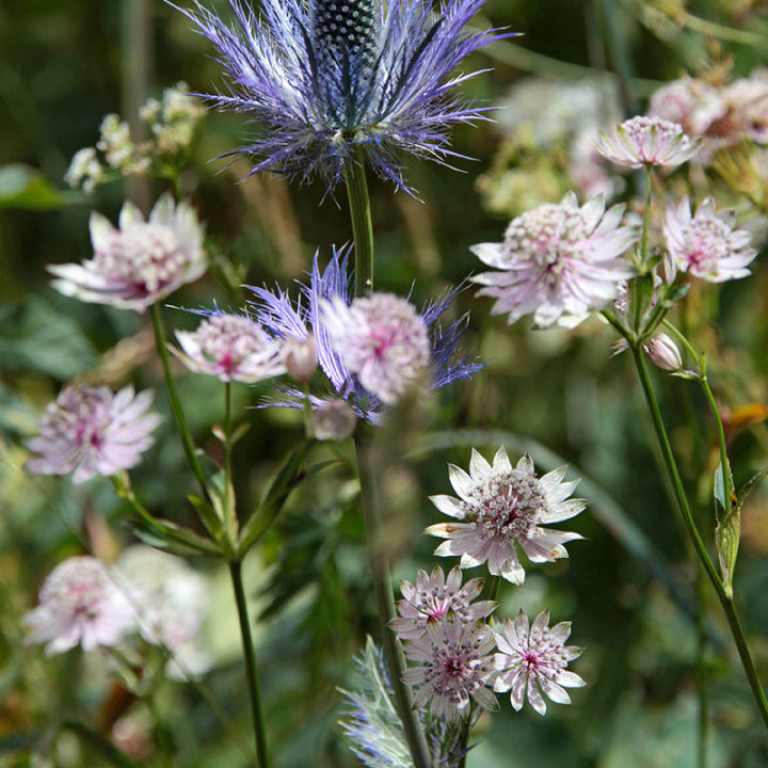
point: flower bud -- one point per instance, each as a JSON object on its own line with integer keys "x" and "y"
{"x": 333, "y": 420}
{"x": 300, "y": 358}
{"x": 663, "y": 352}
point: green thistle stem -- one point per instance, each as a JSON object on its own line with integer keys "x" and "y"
{"x": 362, "y": 229}
{"x": 173, "y": 394}
{"x": 249, "y": 651}
{"x": 701, "y": 551}
{"x": 230, "y": 517}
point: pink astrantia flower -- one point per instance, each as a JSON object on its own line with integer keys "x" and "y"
{"x": 500, "y": 507}
{"x": 139, "y": 263}
{"x": 382, "y": 339}
{"x": 80, "y": 604}
{"x": 434, "y": 599}
{"x": 533, "y": 662}
{"x": 455, "y": 664}
{"x": 558, "y": 262}
{"x": 232, "y": 347}
{"x": 647, "y": 141}
{"x": 91, "y": 432}
{"x": 706, "y": 245}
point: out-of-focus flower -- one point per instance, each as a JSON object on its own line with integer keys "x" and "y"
{"x": 502, "y": 506}
{"x": 706, "y": 245}
{"x": 91, "y": 432}
{"x": 172, "y": 601}
{"x": 381, "y": 339}
{"x": 80, "y": 604}
{"x": 454, "y": 665}
{"x": 275, "y": 311}
{"x": 232, "y": 347}
{"x": 139, "y": 263}
{"x": 85, "y": 170}
{"x": 648, "y": 141}
{"x": 300, "y": 358}
{"x": 533, "y": 662}
{"x": 333, "y": 419}
{"x": 747, "y": 103}
{"x": 693, "y": 104}
{"x": 663, "y": 353}
{"x": 558, "y": 262}
{"x": 434, "y": 599}
{"x": 327, "y": 79}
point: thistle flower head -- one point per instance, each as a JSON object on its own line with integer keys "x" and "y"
{"x": 647, "y": 141}
{"x": 329, "y": 77}
{"x": 557, "y": 262}
{"x": 91, "y": 432}
{"x": 139, "y": 263}
{"x": 705, "y": 244}
{"x": 434, "y": 599}
{"x": 80, "y": 604}
{"x": 500, "y": 507}
{"x": 350, "y": 356}
{"x": 533, "y": 660}
{"x": 232, "y": 347}
{"x": 454, "y": 665}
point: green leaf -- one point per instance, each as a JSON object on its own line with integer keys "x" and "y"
{"x": 210, "y": 518}
{"x": 169, "y": 537}
{"x": 24, "y": 187}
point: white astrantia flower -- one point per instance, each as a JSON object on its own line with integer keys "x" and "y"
{"x": 382, "y": 339}
{"x": 500, "y": 507}
{"x": 80, "y": 604}
{"x": 139, "y": 263}
{"x": 532, "y": 661}
{"x": 434, "y": 599}
{"x": 92, "y": 432}
{"x": 647, "y": 141}
{"x": 173, "y": 602}
{"x": 557, "y": 262}
{"x": 705, "y": 245}
{"x": 454, "y": 665}
{"x": 232, "y": 347}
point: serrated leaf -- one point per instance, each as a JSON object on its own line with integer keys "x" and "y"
{"x": 169, "y": 537}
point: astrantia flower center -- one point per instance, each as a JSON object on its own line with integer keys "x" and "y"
{"x": 507, "y": 505}
{"x": 455, "y": 673}
{"x": 228, "y": 340}
{"x": 148, "y": 256}
{"x": 640, "y": 128}
{"x": 707, "y": 241}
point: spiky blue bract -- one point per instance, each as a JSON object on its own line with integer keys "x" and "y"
{"x": 275, "y": 311}
{"x": 323, "y": 78}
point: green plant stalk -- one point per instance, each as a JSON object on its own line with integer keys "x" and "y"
{"x": 644, "y": 241}
{"x": 701, "y": 670}
{"x": 362, "y": 229}
{"x": 682, "y": 500}
{"x": 173, "y": 394}
{"x": 230, "y": 518}
{"x": 249, "y": 652}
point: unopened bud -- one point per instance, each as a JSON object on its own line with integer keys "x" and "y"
{"x": 333, "y": 420}
{"x": 663, "y": 352}
{"x": 300, "y": 358}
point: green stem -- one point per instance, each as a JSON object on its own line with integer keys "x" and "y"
{"x": 682, "y": 500}
{"x": 178, "y": 411}
{"x": 362, "y": 229}
{"x": 249, "y": 651}
{"x": 229, "y": 507}
{"x": 701, "y": 669}
{"x": 724, "y": 464}
{"x": 385, "y": 602}
{"x": 639, "y": 304}
{"x": 101, "y": 744}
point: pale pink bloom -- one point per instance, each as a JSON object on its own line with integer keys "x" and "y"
{"x": 533, "y": 662}
{"x": 382, "y": 339}
{"x": 454, "y": 665}
{"x": 647, "y": 141}
{"x": 173, "y": 602}
{"x": 500, "y": 507}
{"x": 139, "y": 263}
{"x": 558, "y": 262}
{"x": 434, "y": 599}
{"x": 80, "y": 604}
{"x": 706, "y": 245}
{"x": 91, "y": 432}
{"x": 747, "y": 101}
{"x": 300, "y": 357}
{"x": 663, "y": 353}
{"x": 333, "y": 419}
{"x": 693, "y": 104}
{"x": 232, "y": 347}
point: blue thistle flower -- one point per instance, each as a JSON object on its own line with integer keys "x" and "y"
{"x": 327, "y": 77}
{"x": 275, "y": 311}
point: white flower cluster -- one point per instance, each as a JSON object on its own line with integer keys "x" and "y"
{"x": 172, "y": 122}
